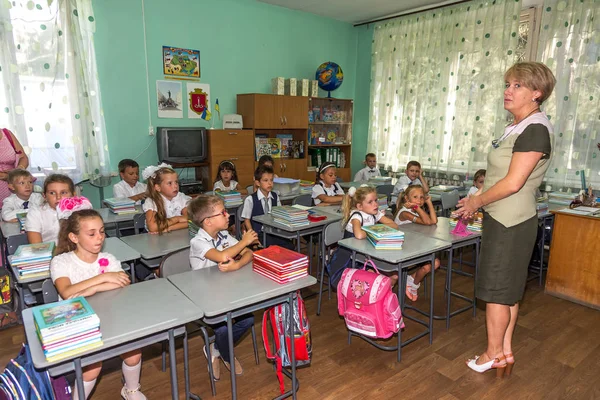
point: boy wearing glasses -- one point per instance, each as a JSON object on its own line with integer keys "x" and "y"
{"x": 213, "y": 246}
{"x": 20, "y": 182}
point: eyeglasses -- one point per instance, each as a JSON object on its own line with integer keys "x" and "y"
{"x": 223, "y": 213}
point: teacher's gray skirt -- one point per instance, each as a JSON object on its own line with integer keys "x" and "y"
{"x": 504, "y": 261}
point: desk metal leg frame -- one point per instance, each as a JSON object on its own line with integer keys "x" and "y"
{"x": 448, "y": 288}
{"x": 402, "y": 274}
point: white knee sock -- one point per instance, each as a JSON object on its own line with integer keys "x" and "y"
{"x": 132, "y": 375}
{"x": 87, "y": 388}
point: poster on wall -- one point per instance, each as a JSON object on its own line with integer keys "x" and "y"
{"x": 199, "y": 100}
{"x": 169, "y": 99}
{"x": 181, "y": 63}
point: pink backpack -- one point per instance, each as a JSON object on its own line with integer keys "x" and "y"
{"x": 366, "y": 302}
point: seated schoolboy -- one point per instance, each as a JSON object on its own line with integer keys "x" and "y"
{"x": 20, "y": 182}
{"x": 214, "y": 247}
{"x": 478, "y": 181}
{"x": 413, "y": 176}
{"x": 130, "y": 186}
{"x": 261, "y": 202}
{"x": 370, "y": 171}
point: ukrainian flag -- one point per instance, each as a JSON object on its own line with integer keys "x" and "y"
{"x": 217, "y": 108}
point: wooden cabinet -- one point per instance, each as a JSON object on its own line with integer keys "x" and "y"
{"x": 234, "y": 145}
{"x": 268, "y": 111}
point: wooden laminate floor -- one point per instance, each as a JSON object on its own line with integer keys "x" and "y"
{"x": 556, "y": 345}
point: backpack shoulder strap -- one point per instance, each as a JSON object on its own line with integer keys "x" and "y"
{"x": 356, "y": 213}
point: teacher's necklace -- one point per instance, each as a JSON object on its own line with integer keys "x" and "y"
{"x": 496, "y": 142}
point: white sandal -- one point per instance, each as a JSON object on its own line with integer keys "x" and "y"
{"x": 126, "y": 392}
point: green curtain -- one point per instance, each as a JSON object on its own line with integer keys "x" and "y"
{"x": 51, "y": 98}
{"x": 570, "y": 46}
{"x": 437, "y": 81}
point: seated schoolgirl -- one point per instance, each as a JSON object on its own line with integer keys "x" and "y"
{"x": 411, "y": 210}
{"x": 80, "y": 268}
{"x": 165, "y": 206}
{"x": 327, "y": 191}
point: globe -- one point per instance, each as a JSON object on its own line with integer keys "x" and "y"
{"x": 330, "y": 76}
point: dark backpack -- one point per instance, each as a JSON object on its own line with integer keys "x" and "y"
{"x": 21, "y": 381}
{"x": 8, "y": 305}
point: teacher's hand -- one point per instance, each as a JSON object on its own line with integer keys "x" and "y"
{"x": 468, "y": 206}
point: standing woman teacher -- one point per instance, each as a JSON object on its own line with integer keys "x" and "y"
{"x": 11, "y": 157}
{"x": 517, "y": 162}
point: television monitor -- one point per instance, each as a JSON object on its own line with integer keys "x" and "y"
{"x": 181, "y": 145}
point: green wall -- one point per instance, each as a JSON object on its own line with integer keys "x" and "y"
{"x": 242, "y": 43}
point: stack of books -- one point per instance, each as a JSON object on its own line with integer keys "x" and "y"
{"x": 230, "y": 199}
{"x": 279, "y": 264}
{"x": 561, "y": 198}
{"x": 193, "y": 228}
{"x": 121, "y": 206}
{"x": 32, "y": 260}
{"x": 542, "y": 208}
{"x": 67, "y": 328}
{"x": 382, "y": 237}
{"x": 21, "y": 218}
{"x": 290, "y": 216}
{"x": 474, "y": 224}
{"x": 306, "y": 187}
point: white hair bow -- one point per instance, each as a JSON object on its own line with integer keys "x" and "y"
{"x": 150, "y": 170}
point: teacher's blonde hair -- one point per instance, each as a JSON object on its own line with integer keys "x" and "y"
{"x": 533, "y": 75}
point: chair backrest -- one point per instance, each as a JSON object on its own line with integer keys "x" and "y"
{"x": 387, "y": 190}
{"x": 449, "y": 200}
{"x": 49, "y": 293}
{"x": 303, "y": 200}
{"x": 250, "y": 189}
{"x": 13, "y": 242}
{"x": 175, "y": 263}
{"x": 139, "y": 223}
{"x": 238, "y": 216}
{"x": 333, "y": 233}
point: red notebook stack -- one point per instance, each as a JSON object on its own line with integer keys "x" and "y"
{"x": 280, "y": 264}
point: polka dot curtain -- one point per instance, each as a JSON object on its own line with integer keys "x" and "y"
{"x": 437, "y": 81}
{"x": 570, "y": 46}
{"x": 51, "y": 96}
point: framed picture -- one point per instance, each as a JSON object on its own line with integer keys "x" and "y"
{"x": 181, "y": 63}
{"x": 169, "y": 99}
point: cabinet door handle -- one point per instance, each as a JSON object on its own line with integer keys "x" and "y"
{"x": 233, "y": 158}
{"x": 280, "y": 120}
{"x": 285, "y": 120}
{"x": 285, "y": 167}
{"x": 233, "y": 133}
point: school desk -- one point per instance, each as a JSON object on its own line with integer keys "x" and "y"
{"x": 443, "y": 232}
{"x": 242, "y": 292}
{"x": 110, "y": 218}
{"x": 126, "y": 325}
{"x": 153, "y": 245}
{"x": 416, "y": 249}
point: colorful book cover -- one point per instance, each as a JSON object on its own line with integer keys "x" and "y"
{"x": 262, "y": 147}
{"x": 275, "y": 145}
{"x": 381, "y": 231}
{"x": 34, "y": 251}
{"x": 73, "y": 352}
{"x": 279, "y": 256}
{"x": 286, "y": 145}
{"x": 56, "y": 316}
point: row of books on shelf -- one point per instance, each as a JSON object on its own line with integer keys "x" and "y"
{"x": 67, "y": 328}
{"x": 279, "y": 264}
{"x": 383, "y": 237}
{"x": 329, "y": 154}
{"x": 32, "y": 260}
{"x": 474, "y": 224}
{"x": 282, "y": 146}
{"x": 120, "y": 205}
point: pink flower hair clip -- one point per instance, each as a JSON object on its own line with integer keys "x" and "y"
{"x": 69, "y": 205}
{"x": 103, "y": 262}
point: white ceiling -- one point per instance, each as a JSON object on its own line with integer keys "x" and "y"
{"x": 356, "y": 11}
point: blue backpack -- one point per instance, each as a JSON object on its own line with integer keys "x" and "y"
{"x": 21, "y": 381}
